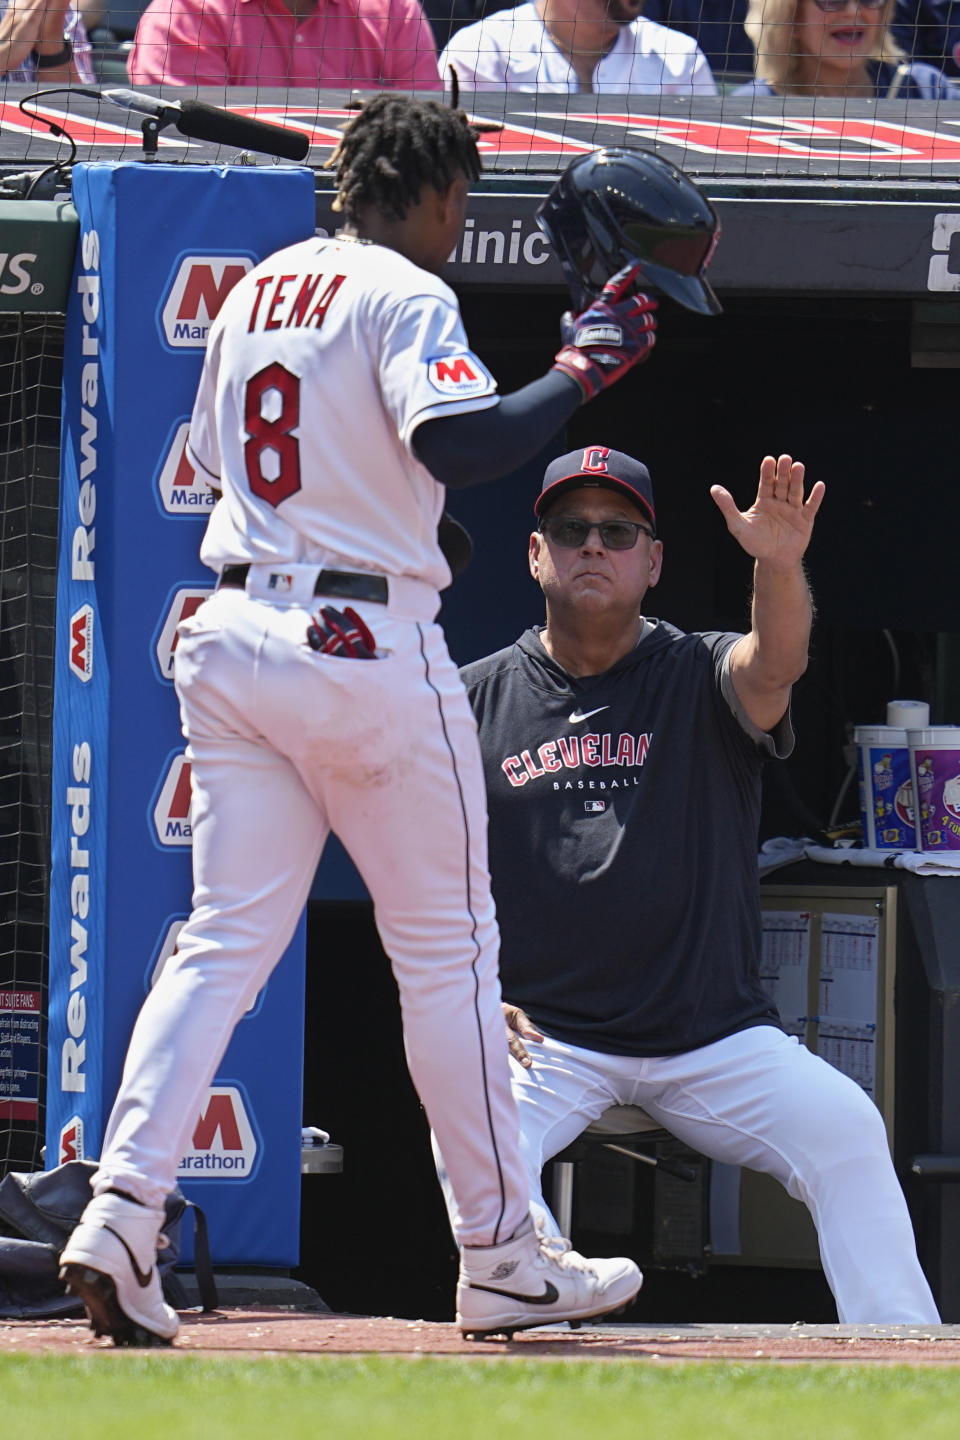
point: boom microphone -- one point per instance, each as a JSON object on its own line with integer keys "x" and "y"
{"x": 208, "y": 122}
{"x": 199, "y": 121}
{"x": 142, "y": 104}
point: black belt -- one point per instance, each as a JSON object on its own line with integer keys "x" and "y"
{"x": 346, "y": 584}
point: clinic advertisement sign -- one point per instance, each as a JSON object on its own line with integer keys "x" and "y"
{"x": 160, "y": 248}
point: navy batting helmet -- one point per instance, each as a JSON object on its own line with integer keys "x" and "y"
{"x": 613, "y": 208}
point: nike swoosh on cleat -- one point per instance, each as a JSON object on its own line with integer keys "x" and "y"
{"x": 550, "y": 1294}
{"x": 142, "y": 1280}
{"x": 577, "y": 715}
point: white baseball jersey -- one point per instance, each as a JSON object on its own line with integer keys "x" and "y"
{"x": 320, "y": 366}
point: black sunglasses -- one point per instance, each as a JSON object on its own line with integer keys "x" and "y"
{"x": 570, "y": 533}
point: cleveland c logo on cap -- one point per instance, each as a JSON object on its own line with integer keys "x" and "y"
{"x": 595, "y": 460}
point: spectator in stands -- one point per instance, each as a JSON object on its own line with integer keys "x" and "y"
{"x": 925, "y": 29}
{"x": 929, "y": 30}
{"x": 44, "y": 41}
{"x": 448, "y": 16}
{"x": 577, "y": 46}
{"x": 717, "y": 27}
{"x": 337, "y": 44}
{"x": 93, "y": 14}
{"x": 835, "y": 47}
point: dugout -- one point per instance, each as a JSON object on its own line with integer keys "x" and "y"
{"x": 838, "y": 343}
{"x": 839, "y": 271}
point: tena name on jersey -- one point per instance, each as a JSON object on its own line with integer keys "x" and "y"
{"x": 460, "y": 374}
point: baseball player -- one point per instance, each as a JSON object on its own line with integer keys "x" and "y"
{"x": 623, "y": 763}
{"x": 338, "y": 393}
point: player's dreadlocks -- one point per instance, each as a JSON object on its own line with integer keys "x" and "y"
{"x": 394, "y": 146}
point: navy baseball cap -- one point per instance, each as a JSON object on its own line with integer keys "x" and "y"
{"x": 600, "y": 466}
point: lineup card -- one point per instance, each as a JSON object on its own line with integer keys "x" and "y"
{"x": 847, "y": 982}
{"x": 785, "y": 965}
{"x": 849, "y": 971}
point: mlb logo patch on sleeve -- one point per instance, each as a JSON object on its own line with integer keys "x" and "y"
{"x": 459, "y": 375}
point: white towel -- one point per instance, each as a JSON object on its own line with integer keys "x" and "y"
{"x": 313, "y": 1135}
{"x": 784, "y": 850}
{"x": 852, "y": 855}
{"x": 946, "y": 862}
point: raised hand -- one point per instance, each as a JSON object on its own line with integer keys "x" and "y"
{"x": 778, "y": 526}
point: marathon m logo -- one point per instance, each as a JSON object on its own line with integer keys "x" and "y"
{"x": 224, "y": 1144}
{"x": 167, "y": 950}
{"x": 459, "y": 375}
{"x": 454, "y": 373}
{"x": 171, "y": 812}
{"x": 169, "y": 941}
{"x": 183, "y": 492}
{"x": 81, "y": 643}
{"x": 199, "y": 286}
{"x": 71, "y": 1141}
{"x": 186, "y": 602}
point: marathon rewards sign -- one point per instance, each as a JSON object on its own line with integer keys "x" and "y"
{"x": 160, "y": 246}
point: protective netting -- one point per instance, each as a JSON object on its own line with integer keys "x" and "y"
{"x": 729, "y": 87}
{"x": 31, "y": 351}
{"x": 611, "y": 45}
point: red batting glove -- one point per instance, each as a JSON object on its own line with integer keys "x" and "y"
{"x": 609, "y": 337}
{"x": 346, "y": 635}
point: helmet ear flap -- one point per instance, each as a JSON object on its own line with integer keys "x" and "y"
{"x": 562, "y": 219}
{"x": 598, "y": 227}
{"x": 584, "y": 239}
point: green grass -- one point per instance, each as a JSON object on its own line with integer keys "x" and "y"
{"x": 109, "y": 1395}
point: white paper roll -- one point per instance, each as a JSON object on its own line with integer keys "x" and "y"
{"x": 908, "y": 714}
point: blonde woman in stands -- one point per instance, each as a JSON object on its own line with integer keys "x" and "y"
{"x": 835, "y": 47}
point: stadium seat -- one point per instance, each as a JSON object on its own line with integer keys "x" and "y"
{"x": 622, "y": 1129}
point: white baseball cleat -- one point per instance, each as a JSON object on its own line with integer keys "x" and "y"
{"x": 538, "y": 1280}
{"x": 110, "y": 1262}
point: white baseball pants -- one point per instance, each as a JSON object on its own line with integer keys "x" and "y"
{"x": 760, "y": 1099}
{"x": 287, "y": 744}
